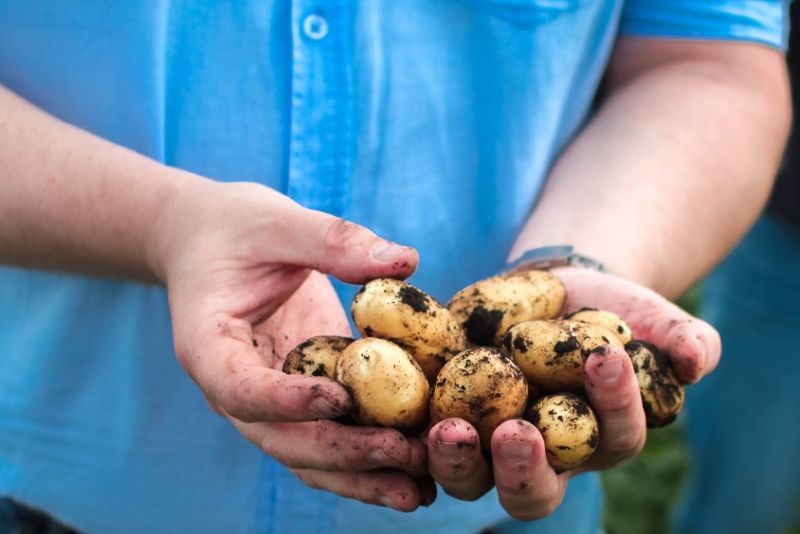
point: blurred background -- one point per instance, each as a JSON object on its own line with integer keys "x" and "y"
{"x": 642, "y": 494}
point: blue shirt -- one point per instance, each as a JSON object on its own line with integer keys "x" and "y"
{"x": 433, "y": 123}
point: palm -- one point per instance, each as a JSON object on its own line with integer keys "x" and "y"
{"x": 693, "y": 345}
{"x": 314, "y": 309}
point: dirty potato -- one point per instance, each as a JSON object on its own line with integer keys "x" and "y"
{"x": 316, "y": 357}
{"x": 393, "y": 310}
{"x": 386, "y": 384}
{"x": 488, "y": 308}
{"x": 481, "y": 386}
{"x": 552, "y": 354}
{"x": 569, "y": 429}
{"x": 662, "y": 392}
{"x": 608, "y": 320}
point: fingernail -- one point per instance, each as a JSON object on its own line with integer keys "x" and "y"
{"x": 322, "y": 408}
{"x": 386, "y": 501}
{"x": 516, "y": 451}
{"x": 451, "y": 450}
{"x": 387, "y": 252}
{"x": 379, "y": 457}
{"x": 609, "y": 371}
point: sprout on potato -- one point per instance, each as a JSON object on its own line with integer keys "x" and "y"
{"x": 316, "y": 357}
{"x": 662, "y": 392}
{"x": 387, "y": 386}
{"x": 488, "y": 308}
{"x": 569, "y": 429}
{"x": 481, "y": 386}
{"x": 399, "y": 312}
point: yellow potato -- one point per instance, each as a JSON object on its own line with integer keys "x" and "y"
{"x": 608, "y": 320}
{"x": 482, "y": 387}
{"x": 387, "y": 386}
{"x": 569, "y": 429}
{"x": 552, "y": 354}
{"x": 662, "y": 392}
{"x": 488, "y": 308}
{"x": 401, "y": 313}
{"x": 316, "y": 356}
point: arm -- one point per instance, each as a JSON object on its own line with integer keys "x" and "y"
{"x": 73, "y": 201}
{"x": 658, "y": 186}
{"x": 236, "y": 260}
{"x": 676, "y": 165}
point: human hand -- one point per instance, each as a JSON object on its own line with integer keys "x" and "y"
{"x": 528, "y": 488}
{"x": 242, "y": 267}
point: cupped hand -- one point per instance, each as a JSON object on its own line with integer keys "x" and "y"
{"x": 243, "y": 265}
{"x": 528, "y": 488}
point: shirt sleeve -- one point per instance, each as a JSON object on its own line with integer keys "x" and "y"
{"x": 759, "y": 21}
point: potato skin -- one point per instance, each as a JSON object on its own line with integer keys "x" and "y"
{"x": 608, "y": 320}
{"x": 399, "y": 312}
{"x": 569, "y": 429}
{"x": 662, "y": 393}
{"x": 552, "y": 354}
{"x": 386, "y": 384}
{"x": 316, "y": 356}
{"x": 481, "y": 386}
{"x": 488, "y": 308}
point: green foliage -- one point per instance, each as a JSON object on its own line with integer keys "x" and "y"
{"x": 794, "y": 528}
{"x": 640, "y": 494}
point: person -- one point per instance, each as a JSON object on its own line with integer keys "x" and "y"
{"x": 179, "y": 178}
{"x": 740, "y": 424}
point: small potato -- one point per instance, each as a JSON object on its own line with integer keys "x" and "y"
{"x": 316, "y": 356}
{"x": 387, "y": 386}
{"x": 393, "y": 310}
{"x": 552, "y": 354}
{"x": 662, "y": 392}
{"x": 608, "y": 320}
{"x": 569, "y": 428}
{"x": 481, "y": 386}
{"x": 488, "y": 308}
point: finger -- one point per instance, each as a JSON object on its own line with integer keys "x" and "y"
{"x": 341, "y": 248}
{"x": 614, "y": 394}
{"x": 455, "y": 460}
{"x": 330, "y": 446}
{"x": 233, "y": 376}
{"x": 694, "y": 346}
{"x": 528, "y": 488}
{"x": 427, "y": 489}
{"x": 390, "y": 489}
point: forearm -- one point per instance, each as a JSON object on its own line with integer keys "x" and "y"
{"x": 72, "y": 201}
{"x": 673, "y": 169}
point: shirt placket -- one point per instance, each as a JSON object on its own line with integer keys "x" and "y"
{"x": 321, "y": 123}
{"x": 320, "y": 154}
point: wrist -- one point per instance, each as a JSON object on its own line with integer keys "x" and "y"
{"x": 181, "y": 199}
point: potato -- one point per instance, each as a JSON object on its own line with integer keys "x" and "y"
{"x": 316, "y": 357}
{"x": 393, "y": 310}
{"x": 552, "y": 354}
{"x": 662, "y": 392}
{"x": 481, "y": 386}
{"x": 487, "y": 309}
{"x": 608, "y": 320}
{"x": 569, "y": 428}
{"x": 386, "y": 384}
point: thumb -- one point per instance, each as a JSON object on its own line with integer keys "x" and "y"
{"x": 343, "y": 249}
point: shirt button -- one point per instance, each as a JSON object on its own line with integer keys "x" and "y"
{"x": 315, "y": 27}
